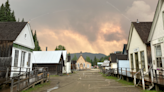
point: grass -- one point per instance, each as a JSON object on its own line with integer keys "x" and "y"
{"x": 54, "y": 75}
{"x": 150, "y": 91}
{"x": 36, "y": 87}
{"x": 116, "y": 79}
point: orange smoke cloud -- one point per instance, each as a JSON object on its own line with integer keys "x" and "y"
{"x": 75, "y": 42}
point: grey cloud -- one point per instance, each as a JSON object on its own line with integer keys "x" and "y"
{"x": 82, "y": 16}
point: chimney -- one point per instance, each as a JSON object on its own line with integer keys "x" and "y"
{"x": 46, "y": 48}
{"x": 81, "y": 53}
{"x": 138, "y": 21}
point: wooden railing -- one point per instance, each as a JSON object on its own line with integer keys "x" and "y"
{"x": 27, "y": 79}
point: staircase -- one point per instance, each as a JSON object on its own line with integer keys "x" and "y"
{"x": 148, "y": 85}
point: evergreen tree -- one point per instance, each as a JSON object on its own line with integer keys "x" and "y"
{"x": 88, "y": 59}
{"x": 12, "y": 17}
{"x": 95, "y": 61}
{"x": 74, "y": 58}
{"x": 2, "y": 13}
{"x": 23, "y": 20}
{"x": 18, "y": 20}
{"x": 60, "y": 47}
{"x": 56, "y": 48}
{"x": 5, "y": 13}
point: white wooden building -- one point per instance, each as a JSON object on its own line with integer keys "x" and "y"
{"x": 139, "y": 51}
{"x": 156, "y": 37}
{"x": 20, "y": 35}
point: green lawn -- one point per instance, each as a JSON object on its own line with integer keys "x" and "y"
{"x": 150, "y": 91}
{"x": 36, "y": 87}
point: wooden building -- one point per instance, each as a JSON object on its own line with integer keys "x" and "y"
{"x": 18, "y": 39}
{"x": 73, "y": 65}
{"x": 53, "y": 60}
{"x": 156, "y": 37}
{"x": 139, "y": 51}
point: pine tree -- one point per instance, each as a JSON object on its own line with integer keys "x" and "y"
{"x": 23, "y": 20}
{"x": 12, "y": 17}
{"x": 56, "y": 48}
{"x": 18, "y": 20}
{"x": 2, "y": 13}
{"x": 5, "y": 13}
{"x": 8, "y": 11}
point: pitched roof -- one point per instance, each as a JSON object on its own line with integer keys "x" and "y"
{"x": 114, "y": 57}
{"x": 43, "y": 57}
{"x": 156, "y": 16}
{"x": 10, "y": 30}
{"x": 143, "y": 29}
{"x": 122, "y": 57}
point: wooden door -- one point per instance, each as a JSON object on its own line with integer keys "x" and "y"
{"x": 137, "y": 63}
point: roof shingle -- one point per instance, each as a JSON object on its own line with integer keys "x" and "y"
{"x": 143, "y": 29}
{"x": 10, "y": 30}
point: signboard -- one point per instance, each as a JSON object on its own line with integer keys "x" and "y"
{"x": 136, "y": 49}
{"x": 161, "y": 39}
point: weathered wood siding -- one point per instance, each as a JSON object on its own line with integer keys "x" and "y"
{"x": 149, "y": 58}
{"x": 5, "y": 48}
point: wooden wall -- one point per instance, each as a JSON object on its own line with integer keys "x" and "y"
{"x": 149, "y": 57}
{"x": 6, "y": 48}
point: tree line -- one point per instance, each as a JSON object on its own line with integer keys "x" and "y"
{"x": 94, "y": 61}
{"x": 6, "y": 15}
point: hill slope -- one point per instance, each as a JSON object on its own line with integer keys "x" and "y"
{"x": 91, "y": 55}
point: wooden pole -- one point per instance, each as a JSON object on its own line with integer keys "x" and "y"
{"x": 11, "y": 88}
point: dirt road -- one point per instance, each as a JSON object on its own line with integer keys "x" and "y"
{"x": 86, "y": 81}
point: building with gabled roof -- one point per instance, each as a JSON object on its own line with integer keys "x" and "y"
{"x": 81, "y": 63}
{"x": 139, "y": 51}
{"x": 156, "y": 37}
{"x": 20, "y": 36}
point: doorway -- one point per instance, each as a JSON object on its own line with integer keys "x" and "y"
{"x": 137, "y": 63}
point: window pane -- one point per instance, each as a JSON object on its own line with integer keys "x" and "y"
{"x": 158, "y": 51}
{"x": 29, "y": 59}
{"x": 16, "y": 58}
{"x": 22, "y": 58}
{"x": 132, "y": 61}
{"x": 142, "y": 59}
{"x": 159, "y": 62}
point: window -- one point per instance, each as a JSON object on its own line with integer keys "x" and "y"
{"x": 22, "y": 59}
{"x": 142, "y": 60}
{"x": 16, "y": 58}
{"x": 29, "y": 59}
{"x": 158, "y": 55}
{"x": 84, "y": 64}
{"x": 88, "y": 65}
{"x": 132, "y": 65}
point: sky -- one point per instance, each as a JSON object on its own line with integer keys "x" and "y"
{"x": 96, "y": 26}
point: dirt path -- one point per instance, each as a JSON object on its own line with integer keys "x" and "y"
{"x": 86, "y": 81}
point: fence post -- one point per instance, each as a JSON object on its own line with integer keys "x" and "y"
{"x": 126, "y": 72}
{"x": 142, "y": 77}
{"x": 11, "y": 88}
{"x": 7, "y": 73}
{"x": 156, "y": 75}
{"x": 121, "y": 71}
{"x": 132, "y": 72}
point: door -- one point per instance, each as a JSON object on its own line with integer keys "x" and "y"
{"x": 137, "y": 63}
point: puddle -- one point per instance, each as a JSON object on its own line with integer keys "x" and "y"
{"x": 49, "y": 90}
{"x": 57, "y": 86}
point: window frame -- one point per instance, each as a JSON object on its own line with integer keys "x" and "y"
{"x": 132, "y": 61}
{"x": 143, "y": 59}
{"x": 16, "y": 64}
{"x": 158, "y": 56}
